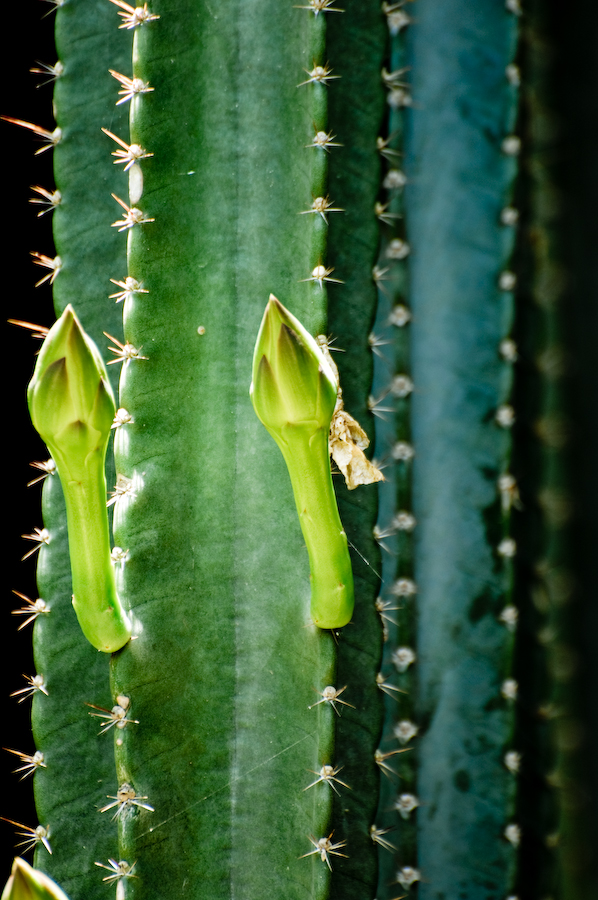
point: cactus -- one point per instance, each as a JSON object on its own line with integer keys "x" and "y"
{"x": 388, "y": 173}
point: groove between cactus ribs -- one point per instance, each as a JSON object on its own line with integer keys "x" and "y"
{"x": 390, "y": 402}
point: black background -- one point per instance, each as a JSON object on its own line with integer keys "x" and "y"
{"x": 26, "y": 38}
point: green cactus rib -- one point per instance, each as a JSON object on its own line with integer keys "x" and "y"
{"x": 461, "y": 313}
{"x": 396, "y": 818}
{"x": 77, "y": 759}
{"x": 225, "y": 657}
{"x": 90, "y": 251}
{"x": 354, "y": 179}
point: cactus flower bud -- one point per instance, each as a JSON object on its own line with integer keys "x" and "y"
{"x": 72, "y": 408}
{"x": 26, "y": 883}
{"x": 293, "y": 384}
{"x": 70, "y": 398}
{"x": 294, "y": 394}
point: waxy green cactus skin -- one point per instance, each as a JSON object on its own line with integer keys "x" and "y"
{"x": 226, "y": 740}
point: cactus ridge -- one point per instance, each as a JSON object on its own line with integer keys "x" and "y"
{"x": 391, "y": 400}
{"x": 65, "y": 785}
{"x": 219, "y": 687}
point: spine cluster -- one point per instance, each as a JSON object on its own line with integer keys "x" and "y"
{"x": 507, "y": 485}
{"x": 390, "y": 402}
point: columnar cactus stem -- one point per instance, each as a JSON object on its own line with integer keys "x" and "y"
{"x": 553, "y": 747}
{"x": 462, "y": 307}
{"x": 354, "y": 171}
{"x": 75, "y": 673}
{"x": 247, "y": 761}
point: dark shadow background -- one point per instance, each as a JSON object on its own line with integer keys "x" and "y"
{"x": 27, "y": 38}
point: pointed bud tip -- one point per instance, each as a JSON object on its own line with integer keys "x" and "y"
{"x": 27, "y": 883}
{"x": 287, "y": 369}
{"x": 70, "y": 385}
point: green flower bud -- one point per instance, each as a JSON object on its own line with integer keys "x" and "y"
{"x": 72, "y": 408}
{"x": 293, "y": 384}
{"x": 70, "y": 398}
{"x": 26, "y": 883}
{"x": 294, "y": 392}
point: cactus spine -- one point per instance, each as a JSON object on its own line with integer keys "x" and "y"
{"x": 242, "y": 749}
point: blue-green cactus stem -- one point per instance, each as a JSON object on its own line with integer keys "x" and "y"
{"x": 461, "y": 312}
{"x": 553, "y": 774}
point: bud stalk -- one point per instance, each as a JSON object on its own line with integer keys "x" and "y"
{"x": 294, "y": 395}
{"x": 72, "y": 408}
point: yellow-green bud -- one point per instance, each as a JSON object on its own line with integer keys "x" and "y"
{"x": 72, "y": 408}
{"x": 26, "y": 883}
{"x": 70, "y": 398}
{"x": 294, "y": 393}
{"x": 293, "y": 383}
